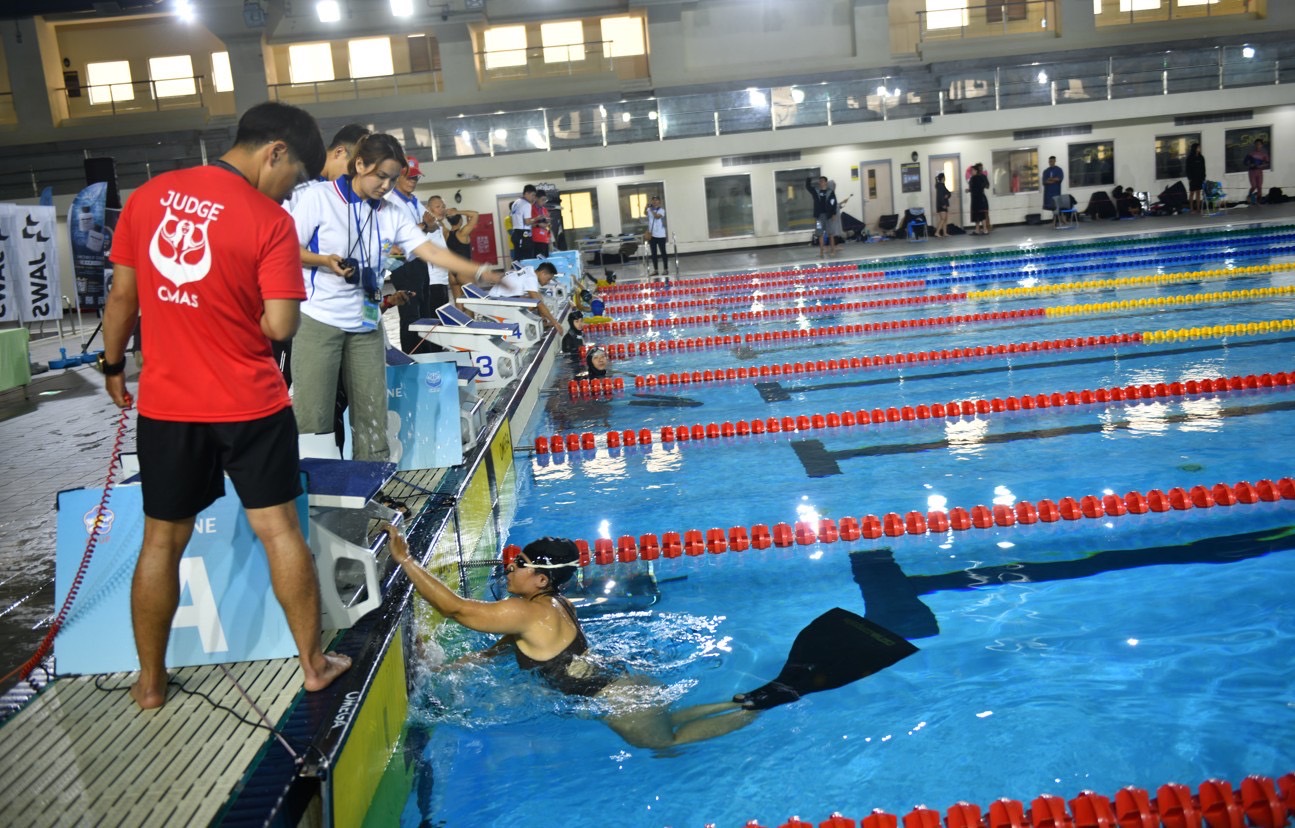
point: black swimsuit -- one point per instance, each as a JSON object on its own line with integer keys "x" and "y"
{"x": 566, "y": 672}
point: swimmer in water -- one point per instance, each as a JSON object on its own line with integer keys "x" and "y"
{"x": 539, "y": 626}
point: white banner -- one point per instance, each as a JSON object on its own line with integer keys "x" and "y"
{"x": 39, "y": 292}
{"x": 8, "y": 268}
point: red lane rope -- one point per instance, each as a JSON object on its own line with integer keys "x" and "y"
{"x": 620, "y": 306}
{"x": 820, "y": 366}
{"x": 837, "y": 330}
{"x": 783, "y": 313}
{"x": 820, "y": 274}
{"x": 114, "y": 463}
{"x": 693, "y": 542}
{"x": 1258, "y": 802}
{"x": 933, "y": 411}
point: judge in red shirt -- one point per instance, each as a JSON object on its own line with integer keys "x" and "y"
{"x": 209, "y": 260}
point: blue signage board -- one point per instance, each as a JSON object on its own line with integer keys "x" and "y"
{"x": 227, "y": 610}
{"x": 425, "y": 396}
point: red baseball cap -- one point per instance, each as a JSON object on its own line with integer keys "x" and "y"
{"x": 412, "y": 170}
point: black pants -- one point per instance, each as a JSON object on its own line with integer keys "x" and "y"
{"x": 655, "y": 244}
{"x": 412, "y": 276}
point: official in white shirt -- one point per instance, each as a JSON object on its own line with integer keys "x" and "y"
{"x": 346, "y": 230}
{"x": 527, "y": 281}
{"x": 656, "y": 233}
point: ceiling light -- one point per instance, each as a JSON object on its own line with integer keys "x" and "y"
{"x": 402, "y": 8}
{"x": 757, "y": 98}
{"x": 797, "y": 95}
{"x": 1247, "y": 52}
{"x": 1043, "y": 78}
{"x": 329, "y": 11}
{"x": 652, "y": 116}
{"x": 501, "y": 135}
{"x": 625, "y": 117}
{"x": 184, "y": 10}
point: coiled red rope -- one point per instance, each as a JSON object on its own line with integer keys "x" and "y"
{"x": 114, "y": 462}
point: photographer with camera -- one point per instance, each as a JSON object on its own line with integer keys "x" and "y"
{"x": 346, "y": 230}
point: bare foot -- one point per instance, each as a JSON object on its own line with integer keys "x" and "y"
{"x": 332, "y": 665}
{"x": 148, "y": 698}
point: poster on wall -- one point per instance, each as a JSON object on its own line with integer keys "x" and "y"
{"x": 37, "y": 287}
{"x": 8, "y": 260}
{"x": 910, "y": 177}
{"x": 87, "y": 227}
{"x": 1238, "y": 143}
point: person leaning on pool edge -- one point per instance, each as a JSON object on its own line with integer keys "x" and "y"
{"x": 540, "y": 627}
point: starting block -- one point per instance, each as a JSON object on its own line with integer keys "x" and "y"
{"x": 496, "y": 359}
{"x": 340, "y": 494}
{"x": 517, "y": 310}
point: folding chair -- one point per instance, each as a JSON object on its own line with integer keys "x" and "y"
{"x": 1065, "y": 215}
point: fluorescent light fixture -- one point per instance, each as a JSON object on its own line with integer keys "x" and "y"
{"x": 329, "y": 11}
{"x": 402, "y": 8}
{"x": 757, "y": 98}
{"x": 501, "y": 135}
{"x": 1043, "y": 78}
{"x": 1247, "y": 52}
{"x": 184, "y": 10}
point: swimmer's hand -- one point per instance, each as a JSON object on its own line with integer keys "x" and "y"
{"x": 397, "y": 544}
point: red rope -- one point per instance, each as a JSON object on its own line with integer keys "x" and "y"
{"x": 113, "y": 463}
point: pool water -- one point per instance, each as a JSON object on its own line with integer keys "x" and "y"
{"x": 1054, "y": 657}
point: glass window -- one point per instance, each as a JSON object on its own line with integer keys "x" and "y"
{"x": 563, "y": 42}
{"x": 1092, "y": 165}
{"x": 728, "y": 206}
{"x": 1171, "y": 154}
{"x": 633, "y": 200}
{"x": 794, "y": 203}
{"x": 505, "y": 46}
{"x": 1237, "y": 144}
{"x": 1015, "y": 171}
{"x": 310, "y": 62}
{"x": 172, "y": 76}
{"x": 370, "y": 57}
{"x": 1127, "y": 6}
{"x": 109, "y": 81}
{"x": 222, "y": 78}
{"x": 623, "y": 37}
{"x": 946, "y": 14}
{"x": 580, "y": 212}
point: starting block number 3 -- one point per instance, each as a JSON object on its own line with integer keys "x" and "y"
{"x": 486, "y": 366}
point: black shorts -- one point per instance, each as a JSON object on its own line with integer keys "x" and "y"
{"x": 182, "y": 466}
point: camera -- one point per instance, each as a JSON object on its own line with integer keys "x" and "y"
{"x": 352, "y": 268}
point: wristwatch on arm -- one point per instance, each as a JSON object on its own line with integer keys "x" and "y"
{"x": 110, "y": 369}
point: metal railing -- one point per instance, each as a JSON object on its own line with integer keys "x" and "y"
{"x": 1168, "y": 10}
{"x": 110, "y": 99}
{"x": 991, "y": 19}
{"x": 568, "y": 60}
{"x": 351, "y": 89}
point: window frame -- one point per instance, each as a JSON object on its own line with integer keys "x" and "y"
{"x": 711, "y": 224}
{"x": 363, "y": 42}
{"x": 1083, "y": 177}
{"x": 789, "y": 220}
{"x": 611, "y": 44}
{"x": 517, "y": 54}
{"x": 647, "y": 189}
{"x": 1028, "y": 181}
{"x": 566, "y": 52}
{"x": 176, "y": 86}
{"x": 312, "y": 51}
{"x": 116, "y": 90}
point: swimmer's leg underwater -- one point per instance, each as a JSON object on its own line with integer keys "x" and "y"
{"x": 836, "y": 648}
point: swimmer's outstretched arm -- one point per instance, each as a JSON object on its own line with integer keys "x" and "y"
{"x": 503, "y": 645}
{"x": 508, "y": 617}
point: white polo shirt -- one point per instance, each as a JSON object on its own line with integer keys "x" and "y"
{"x": 520, "y": 211}
{"x": 331, "y": 218}
{"x": 656, "y": 222}
{"x": 515, "y": 283}
{"x": 411, "y": 204}
{"x": 438, "y": 275}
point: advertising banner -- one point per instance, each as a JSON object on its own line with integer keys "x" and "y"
{"x": 425, "y": 396}
{"x": 90, "y": 242}
{"x": 227, "y": 609}
{"x": 39, "y": 290}
{"x": 8, "y": 266}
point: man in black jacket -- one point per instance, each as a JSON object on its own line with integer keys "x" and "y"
{"x": 825, "y": 208}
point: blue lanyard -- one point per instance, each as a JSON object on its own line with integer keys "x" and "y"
{"x": 359, "y": 231}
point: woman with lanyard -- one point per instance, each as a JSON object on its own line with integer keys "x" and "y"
{"x": 346, "y": 230}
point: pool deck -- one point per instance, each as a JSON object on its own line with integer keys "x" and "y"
{"x": 81, "y": 754}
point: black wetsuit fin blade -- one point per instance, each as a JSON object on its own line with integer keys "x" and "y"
{"x": 835, "y": 649}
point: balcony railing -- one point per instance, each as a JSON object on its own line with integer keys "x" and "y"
{"x": 588, "y": 58}
{"x": 918, "y": 95}
{"x": 352, "y": 89}
{"x": 98, "y": 100}
{"x": 1115, "y": 13}
{"x": 992, "y": 19}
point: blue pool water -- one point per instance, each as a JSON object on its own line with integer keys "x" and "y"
{"x": 1053, "y": 658}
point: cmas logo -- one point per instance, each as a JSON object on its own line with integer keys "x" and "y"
{"x": 103, "y": 519}
{"x": 434, "y": 380}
